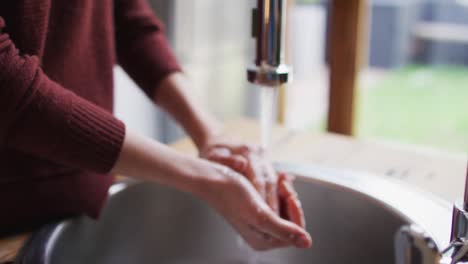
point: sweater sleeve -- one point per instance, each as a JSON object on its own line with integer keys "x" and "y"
{"x": 142, "y": 48}
{"x": 41, "y": 118}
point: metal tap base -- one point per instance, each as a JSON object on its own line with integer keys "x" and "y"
{"x": 268, "y": 76}
{"x": 459, "y": 223}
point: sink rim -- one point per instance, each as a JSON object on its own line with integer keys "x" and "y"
{"x": 376, "y": 188}
{"x": 435, "y": 218}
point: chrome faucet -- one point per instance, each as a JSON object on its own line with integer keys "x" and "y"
{"x": 414, "y": 246}
{"x": 269, "y": 71}
{"x": 268, "y": 28}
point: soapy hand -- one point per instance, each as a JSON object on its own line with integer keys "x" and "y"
{"x": 252, "y": 162}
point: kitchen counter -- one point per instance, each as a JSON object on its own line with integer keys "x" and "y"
{"x": 440, "y": 173}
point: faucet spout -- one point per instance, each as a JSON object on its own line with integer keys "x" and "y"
{"x": 268, "y": 29}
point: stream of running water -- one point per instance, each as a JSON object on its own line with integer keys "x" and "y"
{"x": 268, "y": 100}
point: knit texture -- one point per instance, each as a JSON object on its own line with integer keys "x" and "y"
{"x": 58, "y": 137}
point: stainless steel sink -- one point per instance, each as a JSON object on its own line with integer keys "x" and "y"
{"x": 353, "y": 218}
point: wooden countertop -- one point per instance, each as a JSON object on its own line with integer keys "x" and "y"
{"x": 441, "y": 173}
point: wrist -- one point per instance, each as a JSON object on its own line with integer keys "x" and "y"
{"x": 206, "y": 179}
{"x": 210, "y": 135}
{"x": 195, "y": 176}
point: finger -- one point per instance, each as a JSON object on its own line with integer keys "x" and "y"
{"x": 291, "y": 205}
{"x": 223, "y": 156}
{"x": 244, "y": 149}
{"x": 271, "y": 197}
{"x": 285, "y": 186}
{"x": 286, "y": 176}
{"x": 268, "y": 222}
{"x": 295, "y": 212}
{"x": 271, "y": 188}
{"x": 236, "y": 162}
{"x": 282, "y": 189}
{"x": 238, "y": 148}
{"x": 282, "y": 195}
{"x": 254, "y": 173}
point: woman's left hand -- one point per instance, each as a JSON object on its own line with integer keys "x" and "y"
{"x": 252, "y": 161}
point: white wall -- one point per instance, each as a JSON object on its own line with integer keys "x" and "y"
{"x": 133, "y": 106}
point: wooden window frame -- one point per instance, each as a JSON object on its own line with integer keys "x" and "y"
{"x": 348, "y": 34}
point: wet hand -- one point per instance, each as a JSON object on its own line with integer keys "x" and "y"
{"x": 235, "y": 198}
{"x": 252, "y": 162}
{"x": 290, "y": 205}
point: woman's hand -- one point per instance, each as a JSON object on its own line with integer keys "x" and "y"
{"x": 252, "y": 161}
{"x": 227, "y": 191}
{"x": 248, "y": 160}
{"x": 290, "y": 205}
{"x": 235, "y": 198}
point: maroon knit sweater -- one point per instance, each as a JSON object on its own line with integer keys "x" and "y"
{"x": 58, "y": 138}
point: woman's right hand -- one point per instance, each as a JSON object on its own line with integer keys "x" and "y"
{"x": 230, "y": 193}
{"x": 235, "y": 198}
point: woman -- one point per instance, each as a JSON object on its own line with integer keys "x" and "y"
{"x": 60, "y": 142}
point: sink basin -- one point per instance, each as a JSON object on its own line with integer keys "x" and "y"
{"x": 353, "y": 218}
